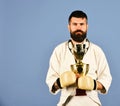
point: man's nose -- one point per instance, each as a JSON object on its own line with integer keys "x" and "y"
{"x": 79, "y": 26}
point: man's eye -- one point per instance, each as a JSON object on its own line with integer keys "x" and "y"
{"x": 74, "y": 24}
{"x": 81, "y": 23}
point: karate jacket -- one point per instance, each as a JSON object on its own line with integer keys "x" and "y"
{"x": 61, "y": 60}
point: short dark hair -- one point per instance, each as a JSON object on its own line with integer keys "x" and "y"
{"x": 77, "y": 14}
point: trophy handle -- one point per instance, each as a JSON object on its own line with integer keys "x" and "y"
{"x": 85, "y": 69}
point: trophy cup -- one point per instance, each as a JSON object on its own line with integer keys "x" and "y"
{"x": 80, "y": 67}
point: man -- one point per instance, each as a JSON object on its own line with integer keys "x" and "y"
{"x": 78, "y": 89}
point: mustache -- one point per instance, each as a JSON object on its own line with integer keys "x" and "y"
{"x": 78, "y": 31}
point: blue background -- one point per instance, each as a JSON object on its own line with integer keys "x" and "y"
{"x": 31, "y": 29}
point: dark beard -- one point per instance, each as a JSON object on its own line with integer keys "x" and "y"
{"x": 78, "y": 37}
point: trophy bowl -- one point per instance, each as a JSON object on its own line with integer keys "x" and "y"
{"x": 80, "y": 68}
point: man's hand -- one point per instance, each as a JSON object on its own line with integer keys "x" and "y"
{"x": 87, "y": 83}
{"x": 67, "y": 78}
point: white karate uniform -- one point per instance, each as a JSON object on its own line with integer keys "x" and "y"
{"x": 82, "y": 101}
{"x": 60, "y": 61}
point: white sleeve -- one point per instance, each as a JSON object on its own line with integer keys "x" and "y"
{"x": 104, "y": 75}
{"x": 53, "y": 71}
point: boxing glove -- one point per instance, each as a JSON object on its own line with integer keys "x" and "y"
{"x": 67, "y": 78}
{"x": 86, "y": 83}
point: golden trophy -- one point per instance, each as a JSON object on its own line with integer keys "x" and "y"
{"x": 81, "y": 68}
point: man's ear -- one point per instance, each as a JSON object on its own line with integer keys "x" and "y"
{"x": 87, "y": 26}
{"x": 68, "y": 27}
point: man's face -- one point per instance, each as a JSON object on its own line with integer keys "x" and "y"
{"x": 78, "y": 28}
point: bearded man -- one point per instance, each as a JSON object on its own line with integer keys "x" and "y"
{"x": 77, "y": 88}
